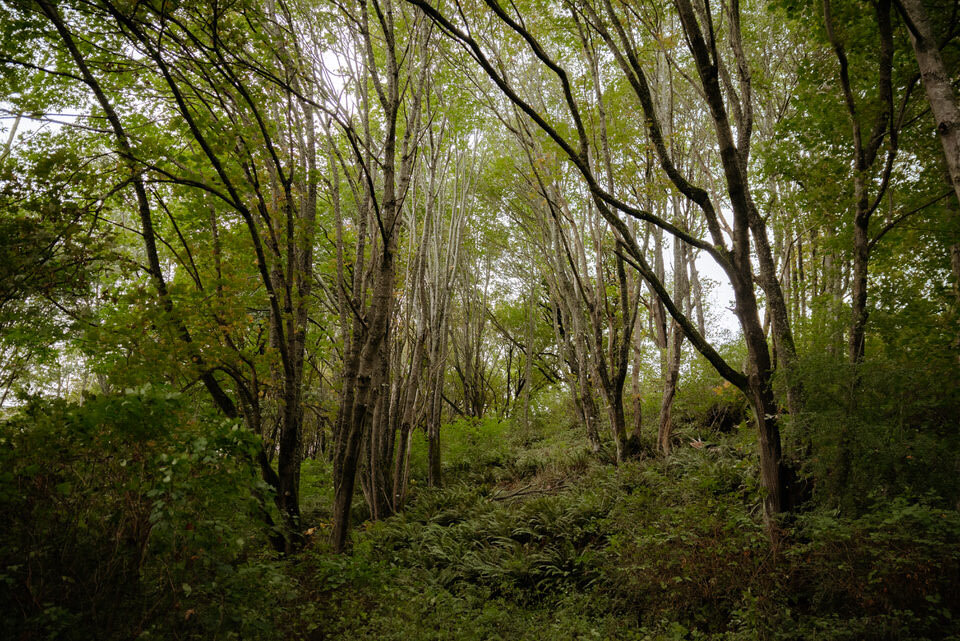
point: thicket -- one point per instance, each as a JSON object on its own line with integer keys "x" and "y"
{"x": 132, "y": 516}
{"x": 137, "y": 516}
{"x": 575, "y": 548}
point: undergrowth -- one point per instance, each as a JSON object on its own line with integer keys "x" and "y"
{"x": 123, "y": 524}
{"x": 130, "y": 516}
{"x": 541, "y": 541}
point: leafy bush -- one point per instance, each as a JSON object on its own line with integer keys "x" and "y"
{"x": 125, "y": 516}
{"x": 686, "y": 543}
{"x": 689, "y": 556}
{"x": 887, "y": 427}
{"x": 893, "y": 572}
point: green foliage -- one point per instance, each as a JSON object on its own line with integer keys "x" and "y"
{"x": 488, "y": 450}
{"x": 127, "y": 516}
{"x": 891, "y": 572}
{"x": 475, "y": 560}
{"x": 474, "y": 443}
{"x": 687, "y": 542}
{"x": 705, "y": 403}
{"x": 51, "y": 254}
{"x": 133, "y": 516}
{"x": 886, "y": 428}
{"x": 652, "y": 549}
{"x": 317, "y": 492}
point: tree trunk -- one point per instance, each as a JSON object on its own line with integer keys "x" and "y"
{"x": 365, "y": 396}
{"x": 943, "y": 104}
{"x": 670, "y": 376}
{"x": 937, "y": 83}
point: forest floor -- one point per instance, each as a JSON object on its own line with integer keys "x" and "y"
{"x": 124, "y": 519}
{"x": 533, "y": 537}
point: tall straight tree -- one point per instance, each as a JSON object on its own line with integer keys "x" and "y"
{"x": 392, "y": 47}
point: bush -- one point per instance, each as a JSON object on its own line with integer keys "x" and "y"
{"x": 887, "y": 427}
{"x": 687, "y": 542}
{"x": 125, "y": 517}
{"x": 893, "y": 571}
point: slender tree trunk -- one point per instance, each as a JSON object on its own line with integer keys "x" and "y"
{"x": 672, "y": 373}
{"x": 636, "y": 391}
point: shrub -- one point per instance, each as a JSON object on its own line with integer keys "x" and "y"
{"x": 127, "y": 516}
{"x": 893, "y": 571}
{"x": 887, "y": 427}
{"x": 687, "y": 543}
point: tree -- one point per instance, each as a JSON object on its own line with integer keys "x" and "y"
{"x": 209, "y": 92}
{"x": 732, "y": 251}
{"x": 363, "y": 408}
{"x": 940, "y": 96}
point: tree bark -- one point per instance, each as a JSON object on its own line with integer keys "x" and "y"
{"x": 943, "y": 103}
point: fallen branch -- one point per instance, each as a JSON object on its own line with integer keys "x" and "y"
{"x": 528, "y": 490}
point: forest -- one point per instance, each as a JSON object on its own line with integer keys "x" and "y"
{"x": 480, "y": 319}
